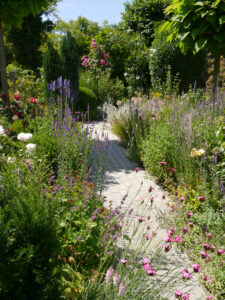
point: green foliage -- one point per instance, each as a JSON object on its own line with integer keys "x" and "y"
{"x": 26, "y": 41}
{"x": 143, "y": 16}
{"x": 86, "y": 97}
{"x": 190, "y": 68}
{"x": 198, "y": 25}
{"x": 20, "y": 9}
{"x": 27, "y": 83}
{"x": 69, "y": 61}
{"x": 52, "y": 65}
{"x": 29, "y": 253}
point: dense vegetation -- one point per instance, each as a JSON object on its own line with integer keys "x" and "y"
{"x": 148, "y": 74}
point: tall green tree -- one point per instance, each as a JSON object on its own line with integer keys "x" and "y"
{"x": 26, "y": 41}
{"x": 198, "y": 25}
{"x": 12, "y": 12}
{"x": 142, "y": 16}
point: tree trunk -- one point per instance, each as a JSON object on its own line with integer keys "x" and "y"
{"x": 3, "y": 65}
{"x": 216, "y": 72}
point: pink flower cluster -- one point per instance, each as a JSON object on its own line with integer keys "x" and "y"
{"x": 147, "y": 267}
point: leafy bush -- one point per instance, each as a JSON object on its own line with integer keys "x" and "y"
{"x": 190, "y": 68}
{"x": 86, "y": 97}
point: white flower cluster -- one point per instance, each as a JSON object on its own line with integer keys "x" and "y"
{"x": 2, "y": 132}
{"x": 152, "y": 52}
{"x": 31, "y": 147}
{"x": 24, "y": 136}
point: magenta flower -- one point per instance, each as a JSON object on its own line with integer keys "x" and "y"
{"x": 109, "y": 274}
{"x": 204, "y": 254}
{"x": 151, "y": 200}
{"x": 220, "y": 251}
{"x": 172, "y": 170}
{"x": 151, "y": 189}
{"x": 123, "y": 261}
{"x": 207, "y": 278}
{"x": 222, "y": 263}
{"x": 167, "y": 247}
{"x": 182, "y": 199}
{"x": 206, "y": 246}
{"x": 106, "y": 55}
{"x": 151, "y": 272}
{"x": 209, "y": 235}
{"x": 145, "y": 260}
{"x": 212, "y": 247}
{"x": 172, "y": 229}
{"x": 185, "y": 229}
{"x": 210, "y": 297}
{"x": 189, "y": 214}
{"x": 201, "y": 198}
{"x": 79, "y": 238}
{"x": 170, "y": 232}
{"x": 178, "y": 294}
{"x": 186, "y": 274}
{"x": 148, "y": 236}
{"x": 137, "y": 169}
{"x": 162, "y": 163}
{"x": 191, "y": 224}
{"x": 186, "y": 296}
{"x": 168, "y": 239}
{"x": 141, "y": 219}
{"x": 197, "y": 268}
{"x": 116, "y": 279}
{"x": 176, "y": 193}
{"x": 122, "y": 289}
{"x": 178, "y": 239}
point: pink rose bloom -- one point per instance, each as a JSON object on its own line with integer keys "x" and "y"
{"x": 106, "y": 55}
{"x": 210, "y": 297}
{"x": 172, "y": 170}
{"x": 102, "y": 61}
{"x": 163, "y": 163}
{"x": 137, "y": 169}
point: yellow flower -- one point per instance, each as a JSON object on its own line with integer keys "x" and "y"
{"x": 200, "y": 152}
{"x": 193, "y": 152}
{"x": 157, "y": 95}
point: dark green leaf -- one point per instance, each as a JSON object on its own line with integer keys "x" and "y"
{"x": 200, "y": 44}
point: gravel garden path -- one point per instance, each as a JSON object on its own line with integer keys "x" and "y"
{"x": 145, "y": 198}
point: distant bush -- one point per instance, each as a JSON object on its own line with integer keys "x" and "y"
{"x": 191, "y": 69}
{"x": 86, "y": 97}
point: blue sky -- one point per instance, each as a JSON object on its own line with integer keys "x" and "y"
{"x": 94, "y": 10}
